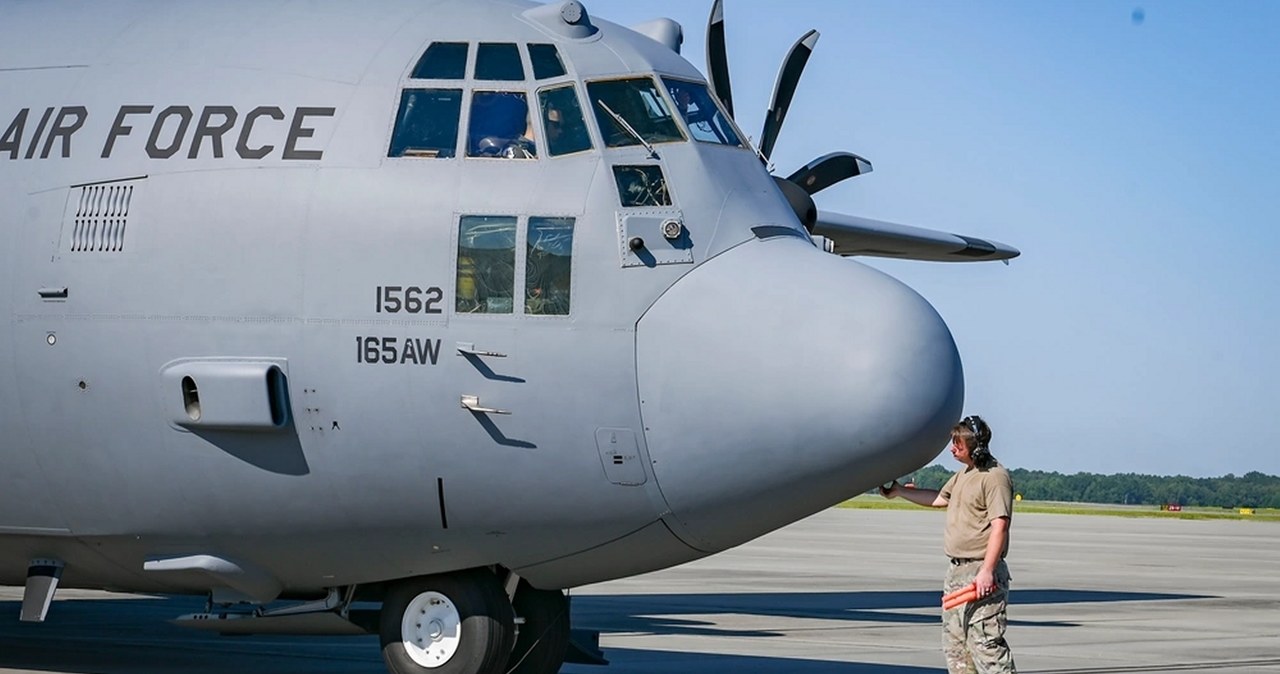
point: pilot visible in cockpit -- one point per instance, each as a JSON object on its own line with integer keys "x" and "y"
{"x": 500, "y": 126}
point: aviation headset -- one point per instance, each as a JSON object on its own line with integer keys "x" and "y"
{"x": 981, "y": 453}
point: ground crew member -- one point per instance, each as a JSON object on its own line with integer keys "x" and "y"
{"x": 979, "y": 503}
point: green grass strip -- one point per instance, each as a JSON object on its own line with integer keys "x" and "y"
{"x": 875, "y": 502}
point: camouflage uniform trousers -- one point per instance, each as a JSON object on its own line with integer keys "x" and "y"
{"x": 973, "y": 633}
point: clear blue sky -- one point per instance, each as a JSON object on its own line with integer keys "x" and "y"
{"x": 1130, "y": 150}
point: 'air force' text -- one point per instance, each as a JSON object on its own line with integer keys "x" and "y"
{"x": 177, "y": 131}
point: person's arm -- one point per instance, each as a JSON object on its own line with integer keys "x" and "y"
{"x": 986, "y": 579}
{"x": 930, "y": 498}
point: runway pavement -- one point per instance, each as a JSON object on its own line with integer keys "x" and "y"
{"x": 844, "y": 592}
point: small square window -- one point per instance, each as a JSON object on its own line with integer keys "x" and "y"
{"x": 442, "y": 61}
{"x": 641, "y": 185}
{"x": 499, "y": 61}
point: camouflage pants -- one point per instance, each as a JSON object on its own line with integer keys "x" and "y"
{"x": 973, "y": 634}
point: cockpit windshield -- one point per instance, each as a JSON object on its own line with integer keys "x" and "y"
{"x": 707, "y": 123}
{"x": 638, "y": 102}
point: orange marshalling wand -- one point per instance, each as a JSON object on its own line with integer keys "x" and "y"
{"x": 960, "y": 597}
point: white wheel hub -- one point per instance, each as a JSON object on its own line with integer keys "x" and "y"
{"x": 431, "y": 629}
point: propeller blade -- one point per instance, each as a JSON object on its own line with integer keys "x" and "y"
{"x": 800, "y": 201}
{"x": 784, "y": 89}
{"x": 852, "y": 235}
{"x": 717, "y": 60}
{"x": 828, "y": 170}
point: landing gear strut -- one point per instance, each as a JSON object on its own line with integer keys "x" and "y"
{"x": 543, "y": 638}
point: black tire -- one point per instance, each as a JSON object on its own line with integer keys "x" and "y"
{"x": 543, "y": 639}
{"x": 486, "y": 629}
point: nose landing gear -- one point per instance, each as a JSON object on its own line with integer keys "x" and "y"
{"x": 463, "y": 623}
{"x": 451, "y": 623}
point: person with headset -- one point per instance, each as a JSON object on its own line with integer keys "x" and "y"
{"x": 979, "y": 503}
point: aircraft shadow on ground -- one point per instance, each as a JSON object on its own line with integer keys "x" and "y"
{"x": 132, "y": 635}
{"x": 633, "y": 660}
{"x": 661, "y": 613}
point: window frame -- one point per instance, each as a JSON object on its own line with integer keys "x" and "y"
{"x": 733, "y": 124}
{"x": 463, "y": 96}
{"x": 522, "y": 57}
{"x": 662, "y": 95}
{"x": 517, "y": 266}
{"x": 542, "y": 122}
{"x": 528, "y": 49}
{"x": 467, "y": 62}
{"x": 524, "y": 263}
{"x": 465, "y": 134}
{"x": 520, "y": 269}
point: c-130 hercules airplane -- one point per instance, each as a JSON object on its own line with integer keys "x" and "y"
{"x": 402, "y": 317}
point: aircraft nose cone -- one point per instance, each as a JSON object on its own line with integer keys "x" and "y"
{"x": 777, "y": 380}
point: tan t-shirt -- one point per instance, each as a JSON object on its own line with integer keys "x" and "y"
{"x": 975, "y": 498}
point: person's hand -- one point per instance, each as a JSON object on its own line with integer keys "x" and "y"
{"x": 891, "y": 491}
{"x": 985, "y": 583}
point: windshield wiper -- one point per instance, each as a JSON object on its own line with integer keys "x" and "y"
{"x": 653, "y": 154}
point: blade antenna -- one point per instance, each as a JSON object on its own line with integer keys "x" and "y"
{"x": 717, "y": 60}
{"x": 784, "y": 89}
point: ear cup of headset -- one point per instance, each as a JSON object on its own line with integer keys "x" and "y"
{"x": 982, "y": 437}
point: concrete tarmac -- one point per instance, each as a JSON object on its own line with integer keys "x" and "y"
{"x": 843, "y": 592}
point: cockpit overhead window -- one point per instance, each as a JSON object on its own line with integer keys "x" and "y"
{"x": 442, "y": 61}
{"x": 545, "y": 59}
{"x": 566, "y": 130}
{"x": 427, "y": 124}
{"x": 499, "y": 61}
{"x": 499, "y": 126}
{"x": 638, "y": 103}
{"x": 707, "y": 122}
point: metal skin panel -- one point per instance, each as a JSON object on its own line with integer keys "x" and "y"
{"x": 280, "y": 234}
{"x": 24, "y": 491}
{"x": 759, "y": 412}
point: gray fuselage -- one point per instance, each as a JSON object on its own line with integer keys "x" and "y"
{"x": 699, "y": 392}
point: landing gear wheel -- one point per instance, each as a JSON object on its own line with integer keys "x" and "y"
{"x": 452, "y": 623}
{"x": 543, "y": 639}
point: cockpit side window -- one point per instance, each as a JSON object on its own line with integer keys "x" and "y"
{"x": 638, "y": 102}
{"x": 566, "y": 130}
{"x": 707, "y": 122}
{"x": 548, "y": 266}
{"x": 486, "y": 264}
{"x": 499, "y": 61}
{"x": 499, "y": 126}
{"x": 427, "y": 124}
{"x": 442, "y": 61}
{"x": 546, "y": 62}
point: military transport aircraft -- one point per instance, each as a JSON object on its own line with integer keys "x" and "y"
{"x": 430, "y": 307}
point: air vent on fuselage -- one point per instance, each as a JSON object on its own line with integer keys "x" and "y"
{"x": 100, "y": 217}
